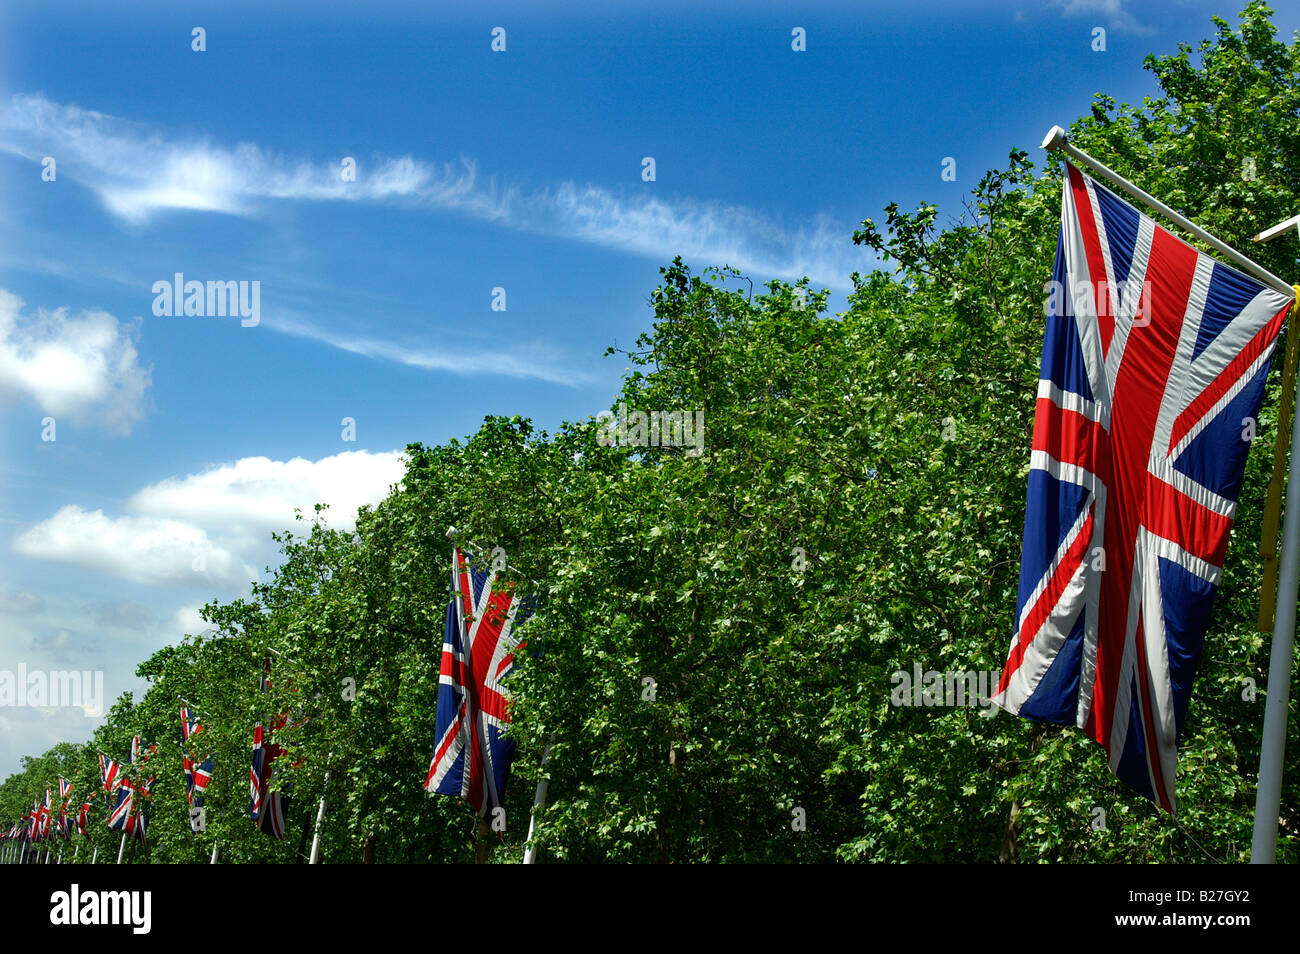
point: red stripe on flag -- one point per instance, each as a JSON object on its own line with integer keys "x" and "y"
{"x": 1051, "y": 595}
{"x": 1096, "y": 260}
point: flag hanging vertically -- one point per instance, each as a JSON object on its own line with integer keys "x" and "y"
{"x": 472, "y": 753}
{"x": 267, "y": 807}
{"x": 189, "y": 724}
{"x": 46, "y": 811}
{"x": 83, "y": 819}
{"x": 1153, "y": 369}
{"x": 120, "y": 815}
{"x": 109, "y": 772}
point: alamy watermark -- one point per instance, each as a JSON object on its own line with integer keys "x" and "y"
{"x": 652, "y": 429}
{"x": 194, "y": 299}
{"x": 53, "y": 689}
{"x": 948, "y": 689}
{"x": 1129, "y": 296}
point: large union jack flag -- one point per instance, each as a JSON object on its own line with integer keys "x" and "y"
{"x": 473, "y": 752}
{"x": 1154, "y": 363}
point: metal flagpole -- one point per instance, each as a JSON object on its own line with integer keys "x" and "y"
{"x": 1268, "y": 794}
{"x": 1056, "y": 139}
{"x": 121, "y": 847}
{"x": 539, "y": 799}
{"x": 320, "y": 816}
{"x": 94, "y": 856}
{"x": 214, "y": 854}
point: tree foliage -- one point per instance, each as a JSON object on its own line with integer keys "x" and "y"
{"x": 716, "y": 637}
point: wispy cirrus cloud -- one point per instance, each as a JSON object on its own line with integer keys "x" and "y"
{"x": 538, "y": 362}
{"x": 137, "y": 172}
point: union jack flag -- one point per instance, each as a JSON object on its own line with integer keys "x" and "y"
{"x": 119, "y": 816}
{"x": 65, "y": 789}
{"x": 266, "y": 807}
{"x": 45, "y": 814}
{"x": 189, "y": 725}
{"x": 1153, "y": 369}
{"x": 83, "y": 818}
{"x": 108, "y": 771}
{"x": 473, "y": 752}
{"x": 197, "y": 778}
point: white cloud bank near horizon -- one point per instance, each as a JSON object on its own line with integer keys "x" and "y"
{"x": 226, "y": 513}
{"x": 136, "y": 171}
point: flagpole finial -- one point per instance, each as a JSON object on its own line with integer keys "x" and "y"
{"x": 451, "y": 533}
{"x": 1054, "y": 139}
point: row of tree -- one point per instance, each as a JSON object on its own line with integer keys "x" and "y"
{"x": 716, "y": 637}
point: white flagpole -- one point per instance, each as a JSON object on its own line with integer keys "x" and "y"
{"x": 76, "y": 851}
{"x": 539, "y": 799}
{"x": 1268, "y": 794}
{"x": 320, "y": 816}
{"x": 214, "y": 854}
{"x": 121, "y": 847}
{"x": 95, "y": 855}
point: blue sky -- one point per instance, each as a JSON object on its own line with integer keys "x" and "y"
{"x": 476, "y": 170}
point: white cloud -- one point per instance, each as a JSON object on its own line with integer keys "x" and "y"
{"x": 188, "y": 622}
{"x": 137, "y": 172}
{"x": 1112, "y": 11}
{"x": 539, "y": 363}
{"x": 225, "y": 513}
{"x": 256, "y": 494}
{"x": 84, "y": 366}
{"x": 140, "y": 549}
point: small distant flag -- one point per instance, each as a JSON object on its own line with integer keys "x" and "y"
{"x": 83, "y": 818}
{"x": 65, "y": 789}
{"x": 108, "y": 772}
{"x": 45, "y": 814}
{"x": 266, "y": 807}
{"x": 120, "y": 814}
{"x": 189, "y": 724}
{"x": 135, "y": 749}
{"x": 202, "y": 776}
